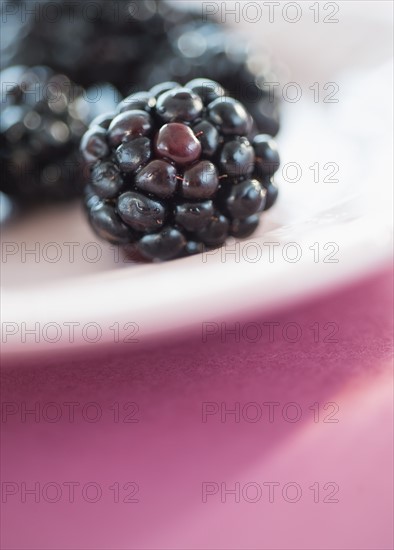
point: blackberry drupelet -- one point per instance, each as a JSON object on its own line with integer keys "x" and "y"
{"x": 178, "y": 174}
{"x": 43, "y": 118}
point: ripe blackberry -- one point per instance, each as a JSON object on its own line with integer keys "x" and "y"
{"x": 126, "y": 42}
{"x": 95, "y": 41}
{"x": 179, "y": 173}
{"x": 43, "y": 117}
{"x": 209, "y": 48}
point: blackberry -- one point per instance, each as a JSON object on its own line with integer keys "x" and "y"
{"x": 146, "y": 41}
{"x": 104, "y": 40}
{"x": 43, "y": 118}
{"x": 209, "y": 48}
{"x": 178, "y": 176}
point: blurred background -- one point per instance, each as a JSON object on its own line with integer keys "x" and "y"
{"x": 239, "y": 399}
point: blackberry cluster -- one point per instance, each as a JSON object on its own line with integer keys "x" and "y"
{"x": 104, "y": 40}
{"x": 130, "y": 43}
{"x": 174, "y": 172}
{"x": 127, "y": 43}
{"x": 209, "y": 48}
{"x": 43, "y": 117}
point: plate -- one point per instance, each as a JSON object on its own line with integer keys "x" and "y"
{"x": 331, "y": 225}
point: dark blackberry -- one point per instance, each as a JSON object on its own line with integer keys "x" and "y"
{"x": 43, "y": 118}
{"x": 209, "y": 48}
{"x": 159, "y": 183}
{"x": 127, "y": 42}
{"x": 104, "y": 40}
